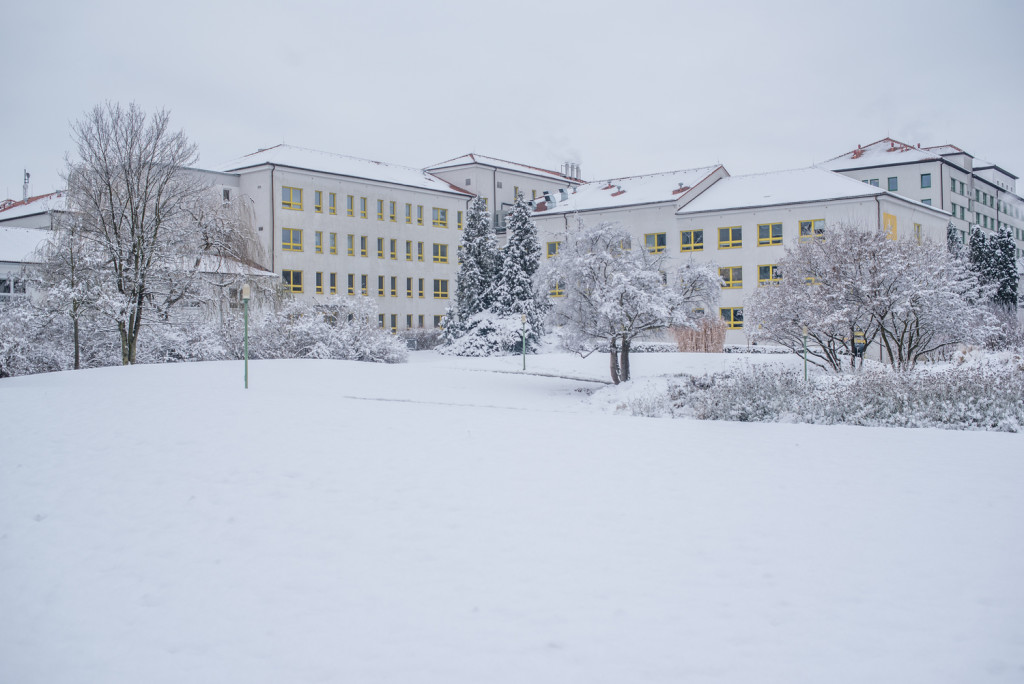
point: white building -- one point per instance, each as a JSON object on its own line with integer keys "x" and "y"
{"x": 973, "y": 191}
{"x": 18, "y": 254}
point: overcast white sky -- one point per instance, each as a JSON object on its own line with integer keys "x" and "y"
{"x": 623, "y": 87}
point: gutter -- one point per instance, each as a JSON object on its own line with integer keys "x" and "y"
{"x": 273, "y": 240}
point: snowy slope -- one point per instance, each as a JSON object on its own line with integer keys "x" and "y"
{"x": 439, "y": 521}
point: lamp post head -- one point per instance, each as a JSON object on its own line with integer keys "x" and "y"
{"x": 805, "y": 331}
{"x": 246, "y": 291}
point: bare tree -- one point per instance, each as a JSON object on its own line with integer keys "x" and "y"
{"x": 130, "y": 186}
{"x": 613, "y": 294}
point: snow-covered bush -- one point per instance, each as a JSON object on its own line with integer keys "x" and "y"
{"x": 754, "y": 349}
{"x": 967, "y": 397}
{"x": 335, "y": 327}
{"x": 27, "y": 343}
{"x": 487, "y": 334}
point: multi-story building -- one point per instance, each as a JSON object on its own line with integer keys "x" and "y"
{"x": 973, "y": 191}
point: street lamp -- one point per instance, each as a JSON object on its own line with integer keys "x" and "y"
{"x": 246, "y": 292}
{"x": 524, "y": 340}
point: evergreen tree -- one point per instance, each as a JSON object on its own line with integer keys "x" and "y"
{"x": 979, "y": 256}
{"x": 478, "y": 265}
{"x": 953, "y": 242}
{"x": 1003, "y": 266}
{"x": 515, "y": 293}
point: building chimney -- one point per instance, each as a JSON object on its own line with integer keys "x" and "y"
{"x": 24, "y": 188}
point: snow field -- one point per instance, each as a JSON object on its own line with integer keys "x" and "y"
{"x": 453, "y": 520}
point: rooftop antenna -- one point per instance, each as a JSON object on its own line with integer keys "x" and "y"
{"x": 24, "y": 188}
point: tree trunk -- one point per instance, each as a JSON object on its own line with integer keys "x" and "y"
{"x": 74, "y": 335}
{"x": 123, "y": 331}
{"x": 624, "y": 363}
{"x": 614, "y": 360}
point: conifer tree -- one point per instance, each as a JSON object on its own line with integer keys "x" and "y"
{"x": 1003, "y": 266}
{"x": 953, "y": 242}
{"x": 979, "y": 255}
{"x": 515, "y": 293}
{"x": 478, "y": 265}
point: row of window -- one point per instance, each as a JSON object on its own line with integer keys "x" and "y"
{"x": 438, "y": 320}
{"x": 731, "y": 237}
{"x": 291, "y": 198}
{"x": 732, "y": 276}
{"x": 291, "y": 241}
{"x": 293, "y": 280}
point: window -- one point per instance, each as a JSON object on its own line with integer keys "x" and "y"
{"x": 889, "y": 225}
{"x": 380, "y": 210}
{"x": 362, "y": 245}
{"x": 691, "y": 240}
{"x": 768, "y": 274}
{"x": 515, "y": 192}
{"x": 769, "y": 234}
{"x": 292, "y": 280}
{"x": 394, "y": 286}
{"x": 732, "y": 277}
{"x": 11, "y": 286}
{"x": 655, "y": 242}
{"x": 318, "y": 201}
{"x": 394, "y": 323}
{"x": 394, "y": 248}
{"x": 419, "y": 321}
{"x": 733, "y": 317}
{"x": 952, "y": 184}
{"x": 393, "y": 213}
{"x": 926, "y": 180}
{"x": 319, "y": 282}
{"x": 408, "y": 213}
{"x": 350, "y": 205}
{"x": 351, "y": 283}
{"x": 291, "y": 239}
{"x": 440, "y": 218}
{"x": 553, "y": 248}
{"x": 408, "y": 321}
{"x": 730, "y": 237}
{"x": 408, "y": 288}
{"x": 380, "y": 320}
{"x": 363, "y": 285}
{"x": 893, "y": 184}
{"x": 226, "y": 195}
{"x": 557, "y": 290}
{"x": 380, "y": 286}
{"x": 927, "y": 202}
{"x": 440, "y": 254}
{"x": 420, "y": 283}
{"x": 437, "y": 321}
{"x": 333, "y": 282}
{"x": 318, "y": 241}
{"x": 419, "y": 251}
{"x": 873, "y": 182}
{"x": 917, "y": 233}
{"x": 812, "y": 230}
{"x": 408, "y": 250}
{"x": 419, "y": 215}
{"x": 291, "y": 198}
{"x": 332, "y": 203}
{"x": 458, "y": 219}
{"x": 362, "y": 207}
{"x": 380, "y": 248}
{"x": 350, "y": 245}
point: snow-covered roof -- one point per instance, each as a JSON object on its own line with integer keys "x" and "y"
{"x": 212, "y": 264}
{"x": 40, "y": 204}
{"x": 947, "y": 149}
{"x": 474, "y": 158}
{"x": 779, "y": 187}
{"x": 342, "y": 165}
{"x": 651, "y": 188}
{"x": 884, "y": 152}
{"x": 20, "y": 244}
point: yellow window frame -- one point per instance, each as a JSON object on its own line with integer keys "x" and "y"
{"x": 318, "y": 241}
{"x": 408, "y": 288}
{"x": 440, "y": 288}
{"x": 332, "y": 281}
{"x": 393, "y": 214}
{"x": 380, "y": 286}
{"x": 408, "y": 250}
{"x": 319, "y": 282}
{"x": 732, "y": 277}
{"x": 660, "y": 241}
{"x": 332, "y": 203}
{"x": 351, "y": 283}
{"x": 394, "y": 286}
{"x": 458, "y": 218}
{"x": 291, "y": 239}
{"x": 732, "y": 320}
{"x": 731, "y": 238}
{"x": 812, "y": 229}
{"x": 394, "y": 249}
{"x": 408, "y": 213}
{"x": 553, "y": 248}
{"x": 419, "y": 251}
{"x": 440, "y": 217}
{"x": 362, "y": 207}
{"x": 557, "y": 290}
{"x": 350, "y": 205}
{"x": 774, "y": 277}
{"x": 292, "y": 284}
{"x": 419, "y": 214}
{"x": 380, "y": 210}
{"x": 334, "y": 243}
{"x": 351, "y": 245}
{"x": 380, "y": 248}
{"x": 420, "y": 288}
{"x": 362, "y": 246}
{"x": 688, "y": 240}
{"x": 291, "y": 198}
{"x": 318, "y": 201}
{"x": 364, "y": 285}
{"x": 440, "y": 253}
{"x": 770, "y": 237}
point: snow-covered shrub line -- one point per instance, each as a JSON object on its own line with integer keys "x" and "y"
{"x": 754, "y": 349}
{"x": 960, "y": 398}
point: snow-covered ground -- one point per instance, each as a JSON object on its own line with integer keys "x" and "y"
{"x": 455, "y": 520}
